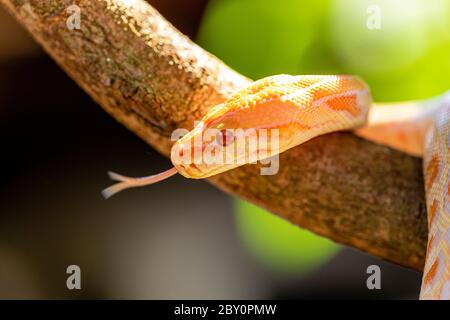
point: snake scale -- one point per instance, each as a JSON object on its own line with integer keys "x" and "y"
{"x": 303, "y": 107}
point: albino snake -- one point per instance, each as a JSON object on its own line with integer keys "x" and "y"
{"x": 303, "y": 107}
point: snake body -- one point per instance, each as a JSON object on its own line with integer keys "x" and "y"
{"x": 436, "y": 279}
{"x": 303, "y": 107}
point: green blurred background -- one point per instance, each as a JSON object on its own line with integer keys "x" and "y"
{"x": 405, "y": 56}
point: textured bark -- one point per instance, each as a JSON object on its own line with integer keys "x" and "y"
{"x": 153, "y": 79}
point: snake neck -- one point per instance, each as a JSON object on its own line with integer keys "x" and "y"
{"x": 402, "y": 126}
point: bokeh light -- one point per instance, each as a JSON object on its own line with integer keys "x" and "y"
{"x": 406, "y": 58}
{"x": 279, "y": 244}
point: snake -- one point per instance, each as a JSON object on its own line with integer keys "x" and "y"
{"x": 295, "y": 109}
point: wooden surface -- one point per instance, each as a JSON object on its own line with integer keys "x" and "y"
{"x": 153, "y": 80}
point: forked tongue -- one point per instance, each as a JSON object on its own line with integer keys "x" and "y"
{"x": 130, "y": 182}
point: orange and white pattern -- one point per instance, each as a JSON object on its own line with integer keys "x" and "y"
{"x": 436, "y": 278}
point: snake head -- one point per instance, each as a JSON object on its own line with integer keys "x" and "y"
{"x": 268, "y": 117}
{"x": 220, "y": 142}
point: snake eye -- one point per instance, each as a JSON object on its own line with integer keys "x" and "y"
{"x": 224, "y": 138}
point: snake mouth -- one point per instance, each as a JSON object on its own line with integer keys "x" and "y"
{"x": 203, "y": 170}
{"x": 193, "y": 171}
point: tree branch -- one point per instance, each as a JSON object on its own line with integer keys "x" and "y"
{"x": 153, "y": 80}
